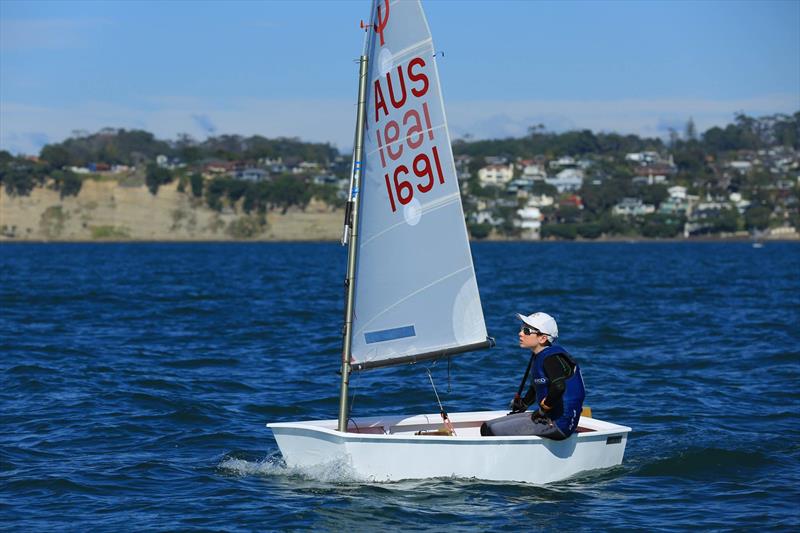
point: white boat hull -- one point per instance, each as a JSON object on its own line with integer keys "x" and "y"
{"x": 387, "y": 448}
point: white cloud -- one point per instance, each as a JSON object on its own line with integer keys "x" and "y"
{"x": 24, "y": 128}
{"x": 651, "y": 118}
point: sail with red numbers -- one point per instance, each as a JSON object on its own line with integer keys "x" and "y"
{"x": 416, "y": 295}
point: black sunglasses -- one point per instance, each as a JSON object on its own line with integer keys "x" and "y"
{"x": 530, "y": 331}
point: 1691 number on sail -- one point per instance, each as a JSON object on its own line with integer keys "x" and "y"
{"x": 407, "y": 134}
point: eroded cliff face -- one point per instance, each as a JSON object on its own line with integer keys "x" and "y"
{"x": 106, "y": 210}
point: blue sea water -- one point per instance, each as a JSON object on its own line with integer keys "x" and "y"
{"x": 136, "y": 380}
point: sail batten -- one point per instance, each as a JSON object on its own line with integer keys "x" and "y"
{"x": 426, "y": 208}
{"x": 416, "y": 294}
{"x": 401, "y": 141}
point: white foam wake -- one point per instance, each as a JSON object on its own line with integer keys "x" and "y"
{"x": 336, "y": 471}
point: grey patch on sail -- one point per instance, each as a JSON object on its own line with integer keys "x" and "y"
{"x": 413, "y": 212}
{"x": 468, "y": 314}
{"x": 391, "y": 334}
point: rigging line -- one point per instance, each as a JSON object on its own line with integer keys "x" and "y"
{"x": 445, "y": 418}
{"x": 444, "y": 201}
{"x": 350, "y": 409}
{"x": 411, "y": 295}
{"x": 449, "y": 389}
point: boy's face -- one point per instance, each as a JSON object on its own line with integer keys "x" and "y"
{"x": 530, "y": 338}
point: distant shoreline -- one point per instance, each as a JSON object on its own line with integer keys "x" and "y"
{"x": 610, "y": 240}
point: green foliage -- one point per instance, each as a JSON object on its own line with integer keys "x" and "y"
{"x": 590, "y": 230}
{"x": 156, "y": 177}
{"x": 216, "y": 191}
{"x": 247, "y": 227}
{"x": 68, "y": 183}
{"x": 52, "y": 221}
{"x": 568, "y": 213}
{"x": 661, "y": 226}
{"x": 19, "y": 176}
{"x": 235, "y": 189}
{"x": 548, "y": 143}
{"x": 232, "y": 147}
{"x": 690, "y": 158}
{"x": 560, "y": 231}
{"x": 726, "y": 220}
{"x": 132, "y": 147}
{"x": 112, "y": 146}
{"x": 257, "y": 197}
{"x": 476, "y": 190}
{"x": 599, "y": 199}
{"x": 110, "y": 232}
{"x": 196, "y": 181}
{"x": 479, "y": 231}
{"x": 56, "y": 155}
{"x": 653, "y": 194}
{"x": 748, "y": 133}
{"x": 287, "y": 191}
{"x": 283, "y": 193}
{"x": 757, "y": 217}
{"x": 542, "y": 187}
{"x": 507, "y": 214}
{"x": 328, "y": 194}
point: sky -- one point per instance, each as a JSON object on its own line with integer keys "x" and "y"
{"x": 288, "y": 68}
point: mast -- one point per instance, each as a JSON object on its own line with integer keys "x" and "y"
{"x": 351, "y": 224}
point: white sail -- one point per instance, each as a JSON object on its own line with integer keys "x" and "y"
{"x": 415, "y": 291}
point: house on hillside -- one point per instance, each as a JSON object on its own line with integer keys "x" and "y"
{"x": 325, "y": 179}
{"x": 743, "y": 167}
{"x": 495, "y": 160}
{"x": 219, "y": 167}
{"x": 540, "y": 200}
{"x": 562, "y": 162}
{"x": 533, "y": 171}
{"x": 462, "y": 162}
{"x": 569, "y": 179}
{"x": 643, "y": 158}
{"x": 496, "y": 175}
{"x": 252, "y": 174}
{"x": 529, "y": 219}
{"x": 677, "y": 192}
{"x": 632, "y": 207}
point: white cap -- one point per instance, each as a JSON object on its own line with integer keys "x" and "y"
{"x": 541, "y": 322}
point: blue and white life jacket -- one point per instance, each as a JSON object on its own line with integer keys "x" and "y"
{"x": 568, "y": 412}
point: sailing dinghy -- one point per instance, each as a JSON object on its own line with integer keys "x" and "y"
{"x": 412, "y": 294}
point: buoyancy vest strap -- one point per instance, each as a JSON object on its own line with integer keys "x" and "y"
{"x": 525, "y": 377}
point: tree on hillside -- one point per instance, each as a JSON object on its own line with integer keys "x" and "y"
{"x": 691, "y": 130}
{"x": 56, "y": 155}
{"x": 156, "y": 177}
{"x": 19, "y": 176}
{"x": 287, "y": 191}
{"x": 68, "y": 183}
{"x": 757, "y": 217}
{"x": 111, "y": 146}
{"x": 196, "y": 181}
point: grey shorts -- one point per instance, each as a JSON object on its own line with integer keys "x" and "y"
{"x": 522, "y": 424}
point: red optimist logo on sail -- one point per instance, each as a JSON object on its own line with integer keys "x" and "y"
{"x": 402, "y": 120}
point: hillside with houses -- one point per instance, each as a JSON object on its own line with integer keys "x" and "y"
{"x": 740, "y": 180}
{"x": 735, "y": 181}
